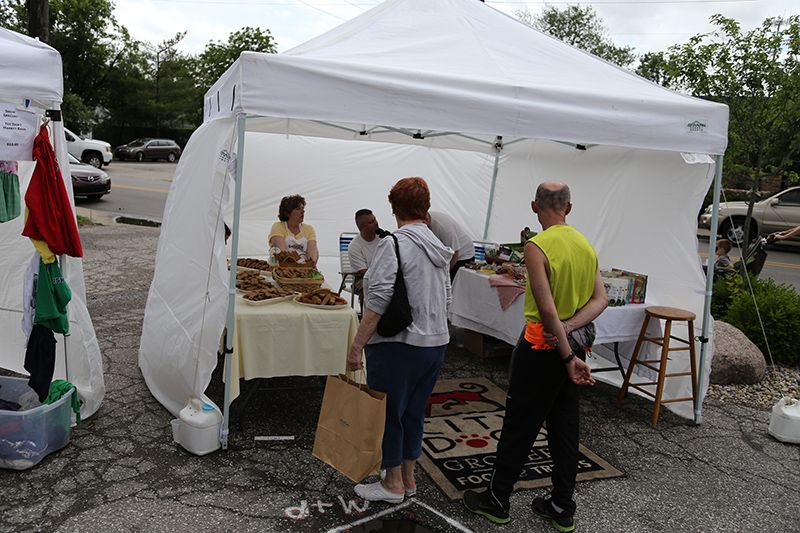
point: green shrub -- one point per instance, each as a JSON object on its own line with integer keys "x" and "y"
{"x": 778, "y": 307}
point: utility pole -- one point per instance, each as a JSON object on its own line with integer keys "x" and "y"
{"x": 39, "y": 19}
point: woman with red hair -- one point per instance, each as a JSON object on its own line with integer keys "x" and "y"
{"x": 406, "y": 365}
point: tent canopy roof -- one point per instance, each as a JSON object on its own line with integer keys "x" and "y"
{"x": 31, "y": 69}
{"x": 472, "y": 70}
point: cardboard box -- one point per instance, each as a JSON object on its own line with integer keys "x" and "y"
{"x": 485, "y": 346}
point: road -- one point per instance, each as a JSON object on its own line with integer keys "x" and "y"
{"x": 139, "y": 193}
{"x": 138, "y": 190}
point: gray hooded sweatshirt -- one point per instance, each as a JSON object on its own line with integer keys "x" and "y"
{"x": 426, "y": 271}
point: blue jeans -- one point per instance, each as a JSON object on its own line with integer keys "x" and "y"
{"x": 407, "y": 375}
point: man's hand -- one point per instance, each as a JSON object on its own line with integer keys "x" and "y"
{"x": 579, "y": 372}
{"x": 354, "y": 358}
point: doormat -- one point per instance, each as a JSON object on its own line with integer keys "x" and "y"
{"x": 463, "y": 420}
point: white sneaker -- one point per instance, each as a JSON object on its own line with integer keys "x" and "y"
{"x": 376, "y": 492}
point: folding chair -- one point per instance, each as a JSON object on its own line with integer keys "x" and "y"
{"x": 345, "y": 269}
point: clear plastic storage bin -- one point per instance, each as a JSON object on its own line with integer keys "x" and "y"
{"x": 27, "y": 437}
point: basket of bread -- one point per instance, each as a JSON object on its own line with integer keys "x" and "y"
{"x": 293, "y": 259}
{"x": 298, "y": 279}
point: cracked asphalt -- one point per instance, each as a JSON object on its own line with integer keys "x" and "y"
{"x": 122, "y": 472}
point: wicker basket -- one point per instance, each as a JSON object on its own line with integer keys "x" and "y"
{"x": 309, "y": 264}
{"x": 295, "y": 284}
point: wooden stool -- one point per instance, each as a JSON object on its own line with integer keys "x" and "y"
{"x": 660, "y": 365}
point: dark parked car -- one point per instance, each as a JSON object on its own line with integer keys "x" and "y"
{"x": 142, "y": 149}
{"x": 88, "y": 181}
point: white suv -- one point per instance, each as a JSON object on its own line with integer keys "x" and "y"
{"x": 90, "y": 151}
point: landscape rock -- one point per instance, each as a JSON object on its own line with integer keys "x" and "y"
{"x": 736, "y": 359}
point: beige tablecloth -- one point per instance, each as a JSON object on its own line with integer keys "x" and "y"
{"x": 289, "y": 339}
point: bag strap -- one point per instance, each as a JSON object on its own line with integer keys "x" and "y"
{"x": 397, "y": 251}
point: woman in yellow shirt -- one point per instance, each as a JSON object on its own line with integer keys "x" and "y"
{"x": 289, "y": 233}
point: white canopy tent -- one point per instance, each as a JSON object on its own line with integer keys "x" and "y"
{"x": 31, "y": 78}
{"x": 480, "y": 105}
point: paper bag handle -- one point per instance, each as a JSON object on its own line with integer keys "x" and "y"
{"x": 355, "y": 374}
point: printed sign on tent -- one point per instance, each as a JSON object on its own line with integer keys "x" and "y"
{"x": 17, "y": 131}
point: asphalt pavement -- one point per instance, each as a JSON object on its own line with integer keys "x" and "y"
{"x": 121, "y": 470}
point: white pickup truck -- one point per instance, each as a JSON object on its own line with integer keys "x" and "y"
{"x": 91, "y": 151}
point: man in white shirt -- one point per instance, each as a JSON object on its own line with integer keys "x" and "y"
{"x": 362, "y": 247}
{"x": 455, "y": 237}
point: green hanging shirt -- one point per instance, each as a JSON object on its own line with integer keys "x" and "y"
{"x": 52, "y": 296}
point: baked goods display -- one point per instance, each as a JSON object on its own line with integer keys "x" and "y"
{"x": 321, "y": 297}
{"x": 296, "y": 273}
{"x": 298, "y": 279}
{"x": 251, "y": 280}
{"x": 267, "y": 293}
{"x": 258, "y": 264}
{"x": 293, "y": 259}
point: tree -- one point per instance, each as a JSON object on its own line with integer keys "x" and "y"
{"x": 580, "y": 27}
{"x": 757, "y": 74}
{"x": 217, "y": 57}
{"x": 655, "y": 67}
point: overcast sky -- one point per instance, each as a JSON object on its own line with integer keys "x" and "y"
{"x": 646, "y": 25}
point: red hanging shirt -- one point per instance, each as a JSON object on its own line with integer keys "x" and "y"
{"x": 50, "y": 218}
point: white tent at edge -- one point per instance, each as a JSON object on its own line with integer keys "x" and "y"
{"x": 30, "y": 74}
{"x": 481, "y": 106}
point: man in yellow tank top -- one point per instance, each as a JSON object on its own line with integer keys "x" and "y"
{"x": 564, "y": 292}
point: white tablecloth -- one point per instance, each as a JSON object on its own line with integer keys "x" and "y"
{"x": 289, "y": 339}
{"x": 476, "y": 307}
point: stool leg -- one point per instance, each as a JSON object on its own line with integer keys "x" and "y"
{"x": 662, "y": 369}
{"x": 692, "y": 360}
{"x": 634, "y": 358}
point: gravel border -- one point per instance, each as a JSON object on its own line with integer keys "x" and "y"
{"x": 779, "y": 381}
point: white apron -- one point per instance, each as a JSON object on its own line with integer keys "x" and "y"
{"x": 292, "y": 243}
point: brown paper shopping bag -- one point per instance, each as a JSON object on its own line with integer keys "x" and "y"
{"x": 350, "y": 428}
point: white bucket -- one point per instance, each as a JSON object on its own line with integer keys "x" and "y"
{"x": 785, "y": 422}
{"x": 199, "y": 429}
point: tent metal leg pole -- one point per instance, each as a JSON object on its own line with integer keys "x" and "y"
{"x": 712, "y": 248}
{"x": 240, "y": 125}
{"x": 498, "y": 147}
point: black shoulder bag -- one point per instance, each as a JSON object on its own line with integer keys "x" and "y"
{"x": 397, "y": 316}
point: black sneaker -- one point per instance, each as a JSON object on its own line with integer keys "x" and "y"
{"x": 483, "y": 503}
{"x": 561, "y": 521}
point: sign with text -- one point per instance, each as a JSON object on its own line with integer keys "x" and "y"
{"x": 17, "y": 131}
{"x": 459, "y": 448}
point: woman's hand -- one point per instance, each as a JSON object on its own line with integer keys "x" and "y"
{"x": 355, "y": 360}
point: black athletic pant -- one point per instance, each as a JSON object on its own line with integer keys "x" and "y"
{"x": 540, "y": 390}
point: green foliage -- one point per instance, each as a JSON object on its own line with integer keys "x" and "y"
{"x": 217, "y": 57}
{"x": 580, "y": 27}
{"x": 757, "y": 74}
{"x": 14, "y": 15}
{"x": 655, "y": 67}
{"x": 78, "y": 117}
{"x": 726, "y": 287}
{"x": 778, "y": 308}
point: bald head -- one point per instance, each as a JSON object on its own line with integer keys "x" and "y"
{"x": 552, "y": 196}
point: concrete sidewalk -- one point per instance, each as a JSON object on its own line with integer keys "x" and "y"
{"x": 122, "y": 472}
